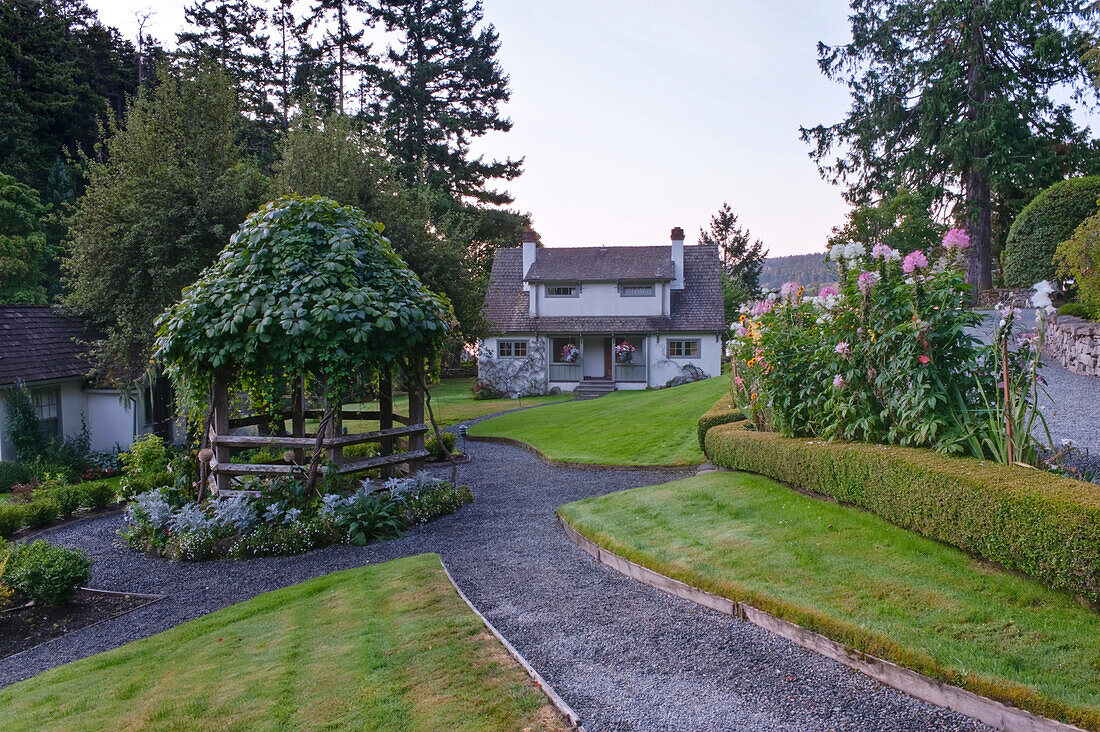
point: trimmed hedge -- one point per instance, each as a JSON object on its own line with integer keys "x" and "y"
{"x": 1037, "y": 523}
{"x": 721, "y": 413}
{"x": 1046, "y": 222}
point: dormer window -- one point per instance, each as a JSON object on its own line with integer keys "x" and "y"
{"x": 562, "y": 291}
{"x": 636, "y": 290}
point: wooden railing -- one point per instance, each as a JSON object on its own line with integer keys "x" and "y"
{"x": 630, "y": 372}
{"x": 566, "y": 372}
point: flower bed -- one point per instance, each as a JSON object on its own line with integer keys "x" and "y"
{"x": 1033, "y": 521}
{"x": 36, "y": 505}
{"x": 283, "y": 518}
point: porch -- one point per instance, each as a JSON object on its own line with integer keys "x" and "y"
{"x": 615, "y": 359}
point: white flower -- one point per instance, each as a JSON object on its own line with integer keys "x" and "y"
{"x": 836, "y": 253}
{"x": 854, "y": 251}
{"x": 773, "y": 296}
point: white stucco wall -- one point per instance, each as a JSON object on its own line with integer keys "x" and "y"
{"x": 601, "y": 298}
{"x": 662, "y": 367}
{"x": 110, "y": 419}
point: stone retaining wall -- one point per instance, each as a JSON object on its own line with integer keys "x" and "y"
{"x": 1074, "y": 343}
{"x": 989, "y": 299}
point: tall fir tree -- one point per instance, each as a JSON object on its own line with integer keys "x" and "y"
{"x": 25, "y": 251}
{"x": 232, "y": 33}
{"x": 440, "y": 88}
{"x": 166, "y": 190}
{"x": 952, "y": 99}
{"x": 341, "y": 41}
{"x": 741, "y": 258}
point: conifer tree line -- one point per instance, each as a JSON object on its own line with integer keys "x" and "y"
{"x": 126, "y": 165}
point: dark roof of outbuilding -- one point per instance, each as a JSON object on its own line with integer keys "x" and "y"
{"x": 696, "y": 308}
{"x": 595, "y": 264}
{"x": 38, "y": 343}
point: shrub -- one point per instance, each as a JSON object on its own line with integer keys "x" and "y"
{"x": 138, "y": 484}
{"x": 723, "y": 412}
{"x": 45, "y": 469}
{"x": 67, "y": 498}
{"x": 148, "y": 455}
{"x": 40, "y": 511}
{"x": 1027, "y": 520}
{"x": 1079, "y": 257}
{"x": 13, "y": 473}
{"x": 12, "y": 518}
{"x": 432, "y": 445}
{"x": 1046, "y": 222}
{"x": 366, "y": 517}
{"x": 1074, "y": 309}
{"x": 362, "y": 450}
{"x": 22, "y": 423}
{"x": 293, "y": 538}
{"x": 46, "y": 573}
{"x": 97, "y": 493}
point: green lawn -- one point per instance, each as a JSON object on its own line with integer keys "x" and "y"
{"x": 653, "y": 427}
{"x": 383, "y": 647}
{"x": 452, "y": 402}
{"x": 863, "y": 582}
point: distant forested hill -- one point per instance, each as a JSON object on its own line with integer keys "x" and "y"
{"x": 805, "y": 269}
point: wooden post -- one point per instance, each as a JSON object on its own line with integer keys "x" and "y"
{"x": 416, "y": 405}
{"x": 385, "y": 419}
{"x": 335, "y": 455}
{"x": 220, "y": 426}
{"x": 298, "y": 416}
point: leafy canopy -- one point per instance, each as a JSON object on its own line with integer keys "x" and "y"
{"x": 305, "y": 286}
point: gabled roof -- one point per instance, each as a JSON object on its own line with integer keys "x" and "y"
{"x": 601, "y": 264}
{"x": 696, "y": 308}
{"x": 38, "y": 343}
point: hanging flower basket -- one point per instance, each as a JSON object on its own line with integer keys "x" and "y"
{"x": 570, "y": 353}
{"x": 624, "y": 353}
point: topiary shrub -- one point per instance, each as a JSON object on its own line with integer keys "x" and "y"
{"x": 46, "y": 573}
{"x": 723, "y": 412}
{"x": 13, "y": 473}
{"x": 1079, "y": 257}
{"x": 1046, "y": 222}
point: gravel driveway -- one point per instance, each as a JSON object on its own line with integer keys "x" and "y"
{"x": 625, "y": 656}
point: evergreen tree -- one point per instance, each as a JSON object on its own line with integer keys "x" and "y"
{"x": 165, "y": 192}
{"x": 440, "y": 88}
{"x": 740, "y": 257}
{"x": 953, "y": 96}
{"x": 287, "y": 42}
{"x": 341, "y": 42}
{"x": 25, "y": 256}
{"x": 902, "y": 221}
{"x": 60, "y": 71}
{"x": 230, "y": 33}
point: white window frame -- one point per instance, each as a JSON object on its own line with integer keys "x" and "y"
{"x": 649, "y": 290}
{"x": 573, "y": 290}
{"x": 682, "y": 344}
{"x": 512, "y": 347}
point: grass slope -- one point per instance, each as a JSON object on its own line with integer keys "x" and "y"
{"x": 653, "y": 427}
{"x": 383, "y": 647}
{"x": 863, "y": 582}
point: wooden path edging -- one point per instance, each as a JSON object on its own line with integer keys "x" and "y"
{"x": 987, "y": 711}
{"x": 567, "y": 464}
{"x": 560, "y": 704}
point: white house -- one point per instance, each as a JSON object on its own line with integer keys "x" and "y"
{"x": 559, "y": 317}
{"x": 44, "y": 349}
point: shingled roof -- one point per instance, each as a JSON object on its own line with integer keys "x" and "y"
{"x": 696, "y": 308}
{"x": 37, "y": 343}
{"x": 577, "y": 264}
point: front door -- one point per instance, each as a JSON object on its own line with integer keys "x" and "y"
{"x": 607, "y": 358}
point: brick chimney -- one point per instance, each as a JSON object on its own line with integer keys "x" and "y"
{"x": 529, "y": 239}
{"x": 677, "y": 259}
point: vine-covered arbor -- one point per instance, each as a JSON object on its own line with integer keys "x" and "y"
{"x": 308, "y": 298}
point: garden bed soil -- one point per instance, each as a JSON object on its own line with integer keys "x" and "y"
{"x": 29, "y": 626}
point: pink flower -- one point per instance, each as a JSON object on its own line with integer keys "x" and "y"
{"x": 883, "y": 251}
{"x": 956, "y": 239}
{"x": 763, "y": 307}
{"x": 827, "y": 291}
{"x": 788, "y": 289}
{"x": 914, "y": 261}
{"x": 925, "y": 360}
{"x": 739, "y": 381}
{"x": 839, "y": 382}
{"x": 867, "y": 280}
{"x": 842, "y": 348}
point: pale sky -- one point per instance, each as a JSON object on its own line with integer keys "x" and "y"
{"x": 636, "y": 116}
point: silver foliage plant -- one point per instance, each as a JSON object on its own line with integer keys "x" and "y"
{"x": 152, "y": 507}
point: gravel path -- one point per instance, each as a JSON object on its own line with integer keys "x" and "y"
{"x": 625, "y": 656}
